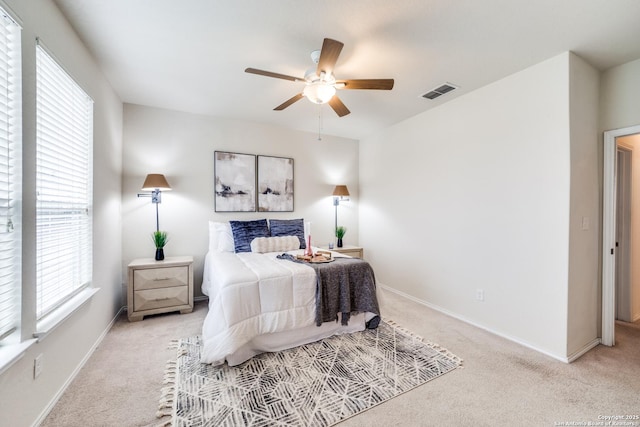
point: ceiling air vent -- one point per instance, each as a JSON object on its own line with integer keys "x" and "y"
{"x": 439, "y": 91}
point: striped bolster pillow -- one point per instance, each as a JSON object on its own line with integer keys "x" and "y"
{"x": 275, "y": 244}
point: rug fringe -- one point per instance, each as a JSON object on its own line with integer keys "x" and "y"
{"x": 430, "y": 344}
{"x": 167, "y": 394}
{"x": 166, "y": 423}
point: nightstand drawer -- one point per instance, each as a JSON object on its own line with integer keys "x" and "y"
{"x": 352, "y": 251}
{"x": 158, "y": 298}
{"x": 154, "y": 278}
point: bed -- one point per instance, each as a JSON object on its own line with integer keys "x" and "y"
{"x": 259, "y": 302}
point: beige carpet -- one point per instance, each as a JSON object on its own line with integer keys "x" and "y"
{"x": 502, "y": 383}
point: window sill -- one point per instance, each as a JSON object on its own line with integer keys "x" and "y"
{"x": 11, "y": 353}
{"x": 50, "y": 322}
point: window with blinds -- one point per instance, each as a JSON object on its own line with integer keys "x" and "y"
{"x": 64, "y": 142}
{"x": 10, "y": 140}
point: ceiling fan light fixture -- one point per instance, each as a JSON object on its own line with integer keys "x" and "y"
{"x": 319, "y": 92}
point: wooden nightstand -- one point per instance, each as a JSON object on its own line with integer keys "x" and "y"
{"x": 353, "y": 251}
{"x": 159, "y": 286}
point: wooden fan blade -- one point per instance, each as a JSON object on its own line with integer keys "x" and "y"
{"x": 379, "y": 84}
{"x": 329, "y": 56}
{"x": 288, "y": 102}
{"x": 338, "y": 106}
{"x": 270, "y": 74}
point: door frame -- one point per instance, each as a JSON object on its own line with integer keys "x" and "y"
{"x": 609, "y": 232}
{"x": 624, "y": 165}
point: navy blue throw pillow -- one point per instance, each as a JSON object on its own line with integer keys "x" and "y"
{"x": 288, "y": 227}
{"x": 245, "y": 231}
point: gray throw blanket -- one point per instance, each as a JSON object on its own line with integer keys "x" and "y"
{"x": 343, "y": 286}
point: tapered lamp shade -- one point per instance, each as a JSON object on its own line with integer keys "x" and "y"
{"x": 341, "y": 191}
{"x": 155, "y": 181}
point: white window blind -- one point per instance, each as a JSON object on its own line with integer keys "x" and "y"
{"x": 10, "y": 140}
{"x": 64, "y": 142}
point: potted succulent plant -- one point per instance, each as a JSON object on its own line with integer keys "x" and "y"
{"x": 160, "y": 239}
{"x": 340, "y": 232}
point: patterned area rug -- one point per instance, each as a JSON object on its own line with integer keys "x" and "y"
{"x": 318, "y": 384}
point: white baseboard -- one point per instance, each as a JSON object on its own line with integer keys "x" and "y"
{"x": 583, "y": 350}
{"x": 76, "y": 371}
{"x": 477, "y": 325}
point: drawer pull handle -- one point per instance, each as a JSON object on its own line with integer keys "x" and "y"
{"x": 158, "y": 279}
{"x": 161, "y": 299}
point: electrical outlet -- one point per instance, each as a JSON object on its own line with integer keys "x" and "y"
{"x": 37, "y": 366}
{"x": 480, "y": 294}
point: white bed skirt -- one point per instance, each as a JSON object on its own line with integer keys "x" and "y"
{"x": 288, "y": 339}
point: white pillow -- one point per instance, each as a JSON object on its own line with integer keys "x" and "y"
{"x": 275, "y": 244}
{"x": 213, "y": 237}
{"x": 220, "y": 237}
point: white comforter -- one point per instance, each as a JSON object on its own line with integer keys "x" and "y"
{"x": 251, "y": 294}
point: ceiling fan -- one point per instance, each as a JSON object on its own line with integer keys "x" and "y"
{"x": 321, "y": 84}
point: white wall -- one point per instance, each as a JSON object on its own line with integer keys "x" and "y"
{"x": 181, "y": 146}
{"x": 475, "y": 194}
{"x": 620, "y": 96}
{"x": 584, "y": 232}
{"x": 24, "y": 400}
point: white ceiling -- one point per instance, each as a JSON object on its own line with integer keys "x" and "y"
{"x": 190, "y": 55}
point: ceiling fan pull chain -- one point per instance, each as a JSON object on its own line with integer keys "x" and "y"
{"x": 319, "y": 122}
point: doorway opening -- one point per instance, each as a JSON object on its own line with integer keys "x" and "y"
{"x": 616, "y": 226}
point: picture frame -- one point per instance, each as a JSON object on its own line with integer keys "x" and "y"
{"x": 234, "y": 182}
{"x": 275, "y": 184}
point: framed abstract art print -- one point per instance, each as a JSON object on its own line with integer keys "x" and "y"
{"x": 235, "y": 182}
{"x": 275, "y": 184}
